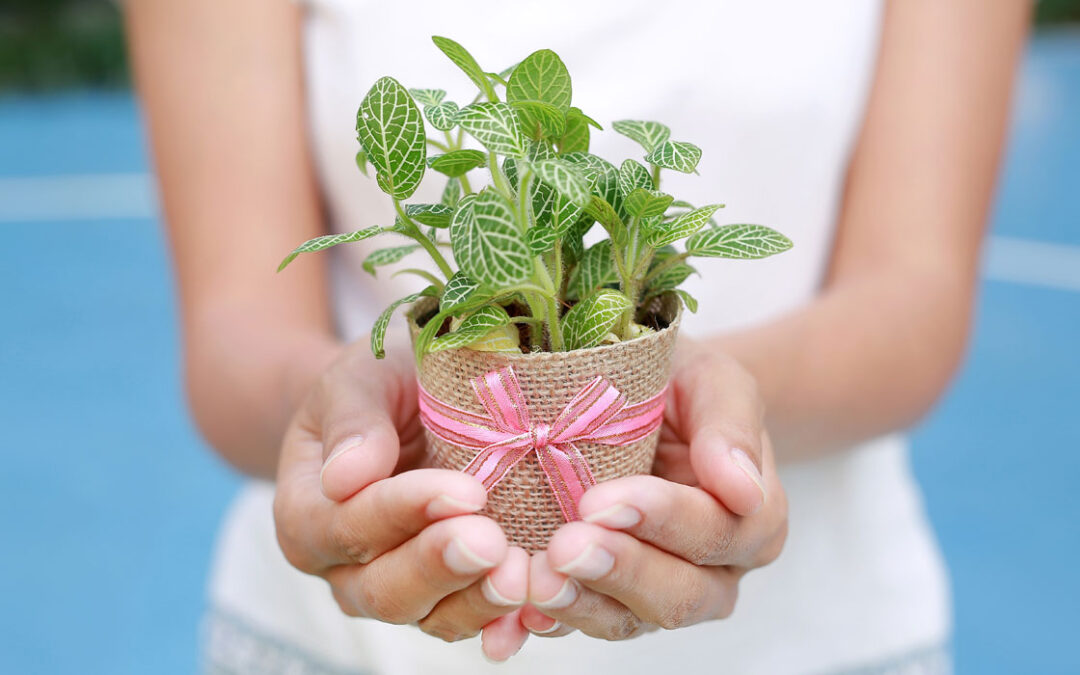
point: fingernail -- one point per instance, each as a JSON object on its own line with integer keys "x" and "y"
{"x": 492, "y": 595}
{"x": 743, "y": 461}
{"x": 554, "y": 627}
{"x": 592, "y": 563}
{"x": 462, "y": 560}
{"x": 445, "y": 506}
{"x": 618, "y": 517}
{"x": 566, "y": 595}
{"x": 347, "y": 445}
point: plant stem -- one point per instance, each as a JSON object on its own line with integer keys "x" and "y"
{"x": 465, "y": 184}
{"x": 414, "y": 232}
{"x": 498, "y": 178}
{"x": 656, "y": 177}
{"x": 666, "y": 264}
{"x": 554, "y": 330}
{"x": 538, "y": 310}
{"x": 440, "y": 146}
{"x": 423, "y": 274}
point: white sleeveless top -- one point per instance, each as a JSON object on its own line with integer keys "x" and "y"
{"x": 774, "y": 96}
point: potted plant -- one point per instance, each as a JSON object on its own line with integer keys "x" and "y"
{"x": 542, "y": 362}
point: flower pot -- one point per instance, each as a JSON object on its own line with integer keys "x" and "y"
{"x": 523, "y": 502}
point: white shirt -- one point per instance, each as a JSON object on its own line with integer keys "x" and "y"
{"x": 773, "y": 93}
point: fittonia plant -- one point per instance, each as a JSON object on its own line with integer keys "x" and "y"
{"x": 518, "y": 241}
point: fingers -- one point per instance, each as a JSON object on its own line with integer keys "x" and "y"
{"x": 504, "y": 637}
{"x": 541, "y": 624}
{"x": 464, "y": 613}
{"x": 572, "y": 604}
{"x": 405, "y": 584}
{"x": 682, "y": 520}
{"x": 721, "y": 416}
{"x": 657, "y": 587}
{"x": 317, "y": 534}
{"x": 360, "y": 441}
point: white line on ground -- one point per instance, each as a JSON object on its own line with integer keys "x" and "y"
{"x": 132, "y": 196}
{"x": 1033, "y": 263}
{"x": 77, "y": 197}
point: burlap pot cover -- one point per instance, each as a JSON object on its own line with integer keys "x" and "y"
{"x": 522, "y": 503}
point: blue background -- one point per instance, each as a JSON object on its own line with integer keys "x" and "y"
{"x": 110, "y": 502}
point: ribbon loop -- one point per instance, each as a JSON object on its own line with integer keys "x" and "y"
{"x": 596, "y": 414}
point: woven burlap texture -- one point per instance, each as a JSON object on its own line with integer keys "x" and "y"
{"x": 522, "y": 503}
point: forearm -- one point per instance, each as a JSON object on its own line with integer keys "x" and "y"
{"x": 877, "y": 347}
{"x": 859, "y": 361}
{"x": 246, "y": 376}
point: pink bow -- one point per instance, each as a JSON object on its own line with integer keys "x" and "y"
{"x": 597, "y": 414}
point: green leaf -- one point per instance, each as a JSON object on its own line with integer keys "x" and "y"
{"x": 387, "y": 256}
{"x": 675, "y": 155}
{"x": 457, "y": 162}
{"x": 567, "y": 179}
{"x": 495, "y": 126}
{"x": 632, "y": 175}
{"x": 451, "y": 193}
{"x": 683, "y": 226}
{"x": 602, "y": 175}
{"x": 326, "y": 241}
{"x": 428, "y": 97}
{"x": 745, "y": 242}
{"x": 541, "y": 78}
{"x": 573, "y": 240}
{"x": 391, "y": 130}
{"x": 595, "y": 269}
{"x": 606, "y": 215}
{"x": 575, "y": 137}
{"x": 688, "y": 300}
{"x": 475, "y": 326}
{"x": 670, "y": 278}
{"x": 539, "y": 119}
{"x": 464, "y": 60}
{"x": 443, "y": 116}
{"x": 587, "y": 322}
{"x": 642, "y": 203}
{"x": 541, "y": 239}
{"x": 362, "y": 161}
{"x": 459, "y": 292}
{"x": 647, "y": 134}
{"x": 378, "y": 331}
{"x": 487, "y": 242}
{"x": 432, "y": 215}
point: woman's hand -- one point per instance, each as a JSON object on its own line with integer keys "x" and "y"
{"x": 397, "y": 545}
{"x": 669, "y": 550}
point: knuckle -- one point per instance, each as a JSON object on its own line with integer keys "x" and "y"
{"x": 351, "y": 541}
{"x": 678, "y": 614}
{"x": 713, "y": 546}
{"x": 772, "y": 549}
{"x": 438, "y": 625}
{"x": 381, "y": 604}
{"x": 624, "y": 626}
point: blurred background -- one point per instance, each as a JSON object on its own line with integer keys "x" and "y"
{"x": 93, "y": 419}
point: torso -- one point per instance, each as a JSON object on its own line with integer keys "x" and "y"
{"x": 774, "y": 97}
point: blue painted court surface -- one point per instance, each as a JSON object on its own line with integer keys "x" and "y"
{"x": 110, "y": 502}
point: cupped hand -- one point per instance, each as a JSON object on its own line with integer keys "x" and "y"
{"x": 668, "y": 550}
{"x": 397, "y": 542}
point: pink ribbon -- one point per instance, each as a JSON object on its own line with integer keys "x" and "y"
{"x": 597, "y": 414}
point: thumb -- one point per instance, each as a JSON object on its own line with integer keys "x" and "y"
{"x": 360, "y": 439}
{"x": 721, "y": 416}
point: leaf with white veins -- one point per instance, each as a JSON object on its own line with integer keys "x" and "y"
{"x": 587, "y": 322}
{"x": 391, "y": 130}
{"x": 746, "y": 242}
